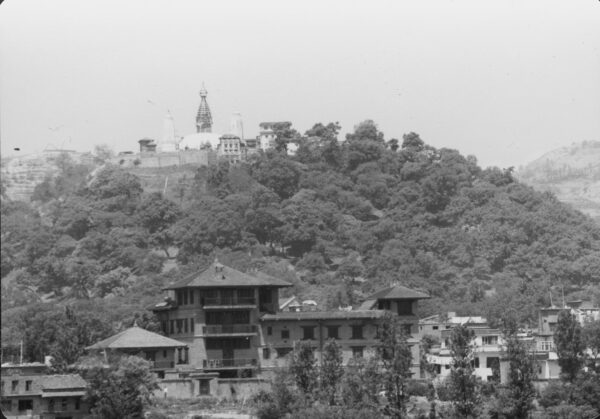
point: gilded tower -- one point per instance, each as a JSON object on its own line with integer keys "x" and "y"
{"x": 203, "y": 118}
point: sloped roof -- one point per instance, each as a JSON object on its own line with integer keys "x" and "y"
{"x": 62, "y": 382}
{"x": 323, "y": 315}
{"x": 136, "y": 337}
{"x": 288, "y": 301}
{"x": 367, "y": 305}
{"x": 218, "y": 275}
{"x": 398, "y": 292}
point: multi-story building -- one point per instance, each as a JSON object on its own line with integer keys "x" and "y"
{"x": 434, "y": 325}
{"x": 231, "y": 148}
{"x": 216, "y": 313}
{"x": 27, "y": 392}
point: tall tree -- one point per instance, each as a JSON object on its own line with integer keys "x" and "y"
{"x": 331, "y": 370}
{"x": 464, "y": 387}
{"x": 395, "y": 359}
{"x": 303, "y": 368}
{"x": 569, "y": 345}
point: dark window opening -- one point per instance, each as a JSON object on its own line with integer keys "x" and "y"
{"x": 266, "y": 353}
{"x": 204, "y": 387}
{"x": 192, "y": 325}
{"x": 308, "y": 332}
{"x": 384, "y": 305}
{"x": 191, "y": 296}
{"x": 172, "y": 327}
{"x": 28, "y": 385}
{"x": 357, "y": 351}
{"x": 269, "y": 330}
{"x": 179, "y": 323}
{"x": 357, "y": 332}
{"x": 404, "y": 307}
{"x": 25, "y": 405}
{"x": 285, "y": 334}
{"x": 14, "y": 386}
{"x": 333, "y": 332}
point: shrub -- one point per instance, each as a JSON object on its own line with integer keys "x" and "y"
{"x": 417, "y": 388}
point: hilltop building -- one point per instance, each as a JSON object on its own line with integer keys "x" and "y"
{"x": 28, "y": 391}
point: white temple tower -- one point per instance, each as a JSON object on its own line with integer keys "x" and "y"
{"x": 168, "y": 141}
{"x": 236, "y": 126}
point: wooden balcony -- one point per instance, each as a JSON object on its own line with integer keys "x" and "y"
{"x": 233, "y": 363}
{"x": 229, "y": 302}
{"x": 230, "y": 330}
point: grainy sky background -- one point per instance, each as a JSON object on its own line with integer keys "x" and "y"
{"x": 503, "y": 80}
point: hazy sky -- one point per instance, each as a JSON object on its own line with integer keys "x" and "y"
{"x": 503, "y": 80}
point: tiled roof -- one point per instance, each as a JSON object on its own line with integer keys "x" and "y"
{"x": 323, "y": 315}
{"x": 217, "y": 275}
{"x": 62, "y": 382}
{"x": 367, "y": 305}
{"x": 136, "y": 337}
{"x": 398, "y": 292}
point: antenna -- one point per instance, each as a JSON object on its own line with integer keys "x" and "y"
{"x": 551, "y": 303}
{"x": 563, "y": 295}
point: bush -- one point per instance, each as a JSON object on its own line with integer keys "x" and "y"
{"x": 443, "y": 392}
{"x": 417, "y": 388}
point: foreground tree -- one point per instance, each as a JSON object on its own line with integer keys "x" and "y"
{"x": 516, "y": 399}
{"x": 395, "y": 358}
{"x": 121, "y": 391}
{"x": 464, "y": 388}
{"x": 569, "y": 345}
{"x": 303, "y": 368}
{"x": 331, "y": 370}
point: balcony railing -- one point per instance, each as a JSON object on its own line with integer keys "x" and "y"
{"x": 230, "y": 301}
{"x": 545, "y": 346}
{"x": 229, "y": 363}
{"x": 163, "y": 364}
{"x": 228, "y": 329}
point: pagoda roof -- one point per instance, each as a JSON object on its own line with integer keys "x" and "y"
{"x": 398, "y": 292}
{"x": 136, "y": 337}
{"x": 221, "y": 276}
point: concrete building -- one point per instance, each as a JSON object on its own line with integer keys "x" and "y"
{"x": 231, "y": 148}
{"x": 28, "y": 392}
{"x": 434, "y": 325}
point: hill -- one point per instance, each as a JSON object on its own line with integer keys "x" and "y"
{"x": 337, "y": 220}
{"x": 571, "y": 173}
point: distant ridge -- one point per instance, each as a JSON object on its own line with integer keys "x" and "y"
{"x": 571, "y": 173}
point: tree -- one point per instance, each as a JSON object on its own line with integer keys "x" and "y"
{"x": 591, "y": 337}
{"x": 464, "y": 388}
{"x": 157, "y": 215}
{"x": 331, "y": 370}
{"x": 121, "y": 391}
{"x": 569, "y": 345}
{"x": 303, "y": 367}
{"x": 516, "y": 400}
{"x": 277, "y": 172}
{"x": 395, "y": 358}
{"x": 361, "y": 383}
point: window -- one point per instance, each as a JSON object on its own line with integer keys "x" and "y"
{"x": 435, "y": 327}
{"x": 151, "y": 355}
{"x": 384, "y": 305}
{"x": 14, "y": 386}
{"x": 78, "y": 403}
{"x": 51, "y": 405}
{"x": 475, "y": 363}
{"x": 407, "y": 329}
{"x": 357, "y": 351}
{"x": 64, "y": 404}
{"x": 191, "y": 296}
{"x": 269, "y": 330}
{"x": 281, "y": 352}
{"x": 164, "y": 353}
{"x": 2, "y": 388}
{"x": 25, "y": 405}
{"x": 285, "y": 334}
{"x": 308, "y": 332}
{"x": 204, "y": 387}
{"x": 357, "y": 332}
{"x": 492, "y": 362}
{"x": 266, "y": 353}
{"x": 489, "y": 340}
{"x": 172, "y": 326}
{"x": 332, "y": 332}
{"x": 192, "y": 325}
{"x": 185, "y": 325}
{"x": 179, "y": 323}
{"x": 164, "y": 325}
{"x": 405, "y": 307}
{"x": 28, "y": 385}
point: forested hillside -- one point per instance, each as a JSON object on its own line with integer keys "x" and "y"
{"x": 338, "y": 220}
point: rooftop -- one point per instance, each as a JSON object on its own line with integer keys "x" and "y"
{"x": 136, "y": 337}
{"x": 218, "y": 275}
{"x": 398, "y": 292}
{"x": 323, "y": 315}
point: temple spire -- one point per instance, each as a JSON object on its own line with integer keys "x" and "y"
{"x": 203, "y": 118}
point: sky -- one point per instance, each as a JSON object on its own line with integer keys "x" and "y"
{"x": 505, "y": 81}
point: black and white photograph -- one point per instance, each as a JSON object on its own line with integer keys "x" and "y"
{"x": 262, "y": 209}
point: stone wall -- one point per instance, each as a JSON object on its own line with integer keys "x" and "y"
{"x": 166, "y": 159}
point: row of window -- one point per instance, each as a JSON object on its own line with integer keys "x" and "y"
{"x": 53, "y": 405}
{"x": 177, "y": 326}
{"x": 357, "y": 352}
{"x": 14, "y": 386}
{"x": 186, "y": 296}
{"x": 333, "y": 332}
